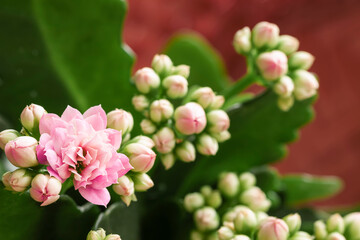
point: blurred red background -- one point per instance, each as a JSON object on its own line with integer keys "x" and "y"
{"x": 329, "y": 29}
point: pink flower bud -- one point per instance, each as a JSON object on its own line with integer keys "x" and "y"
{"x": 272, "y": 65}
{"x": 335, "y": 236}
{"x": 141, "y": 157}
{"x": 21, "y": 152}
{"x": 176, "y": 86}
{"x": 168, "y": 160}
{"x": 124, "y": 187}
{"x": 221, "y": 136}
{"x": 142, "y": 182}
{"x": 204, "y": 96}
{"x": 273, "y": 229}
{"x": 207, "y": 145}
{"x": 285, "y": 103}
{"x": 218, "y": 102}
{"x": 182, "y": 70}
{"x": 146, "y": 79}
{"x": 146, "y": 141}
{"x": 164, "y": 140}
{"x": 255, "y": 199}
{"x": 30, "y": 117}
{"x": 6, "y": 181}
{"x": 301, "y": 60}
{"x": 45, "y": 189}
{"x": 288, "y": 44}
{"x": 140, "y": 102}
{"x": 190, "y": 118}
{"x": 112, "y": 237}
{"x": 7, "y": 136}
{"x": 120, "y": 120}
{"x": 162, "y": 64}
{"x": 161, "y": 110}
{"x": 229, "y": 184}
{"x": 284, "y": 87}
{"x": 218, "y": 121}
{"x": 19, "y": 180}
{"x": 265, "y": 34}
{"x": 186, "y": 152}
{"x": 193, "y": 201}
{"x": 306, "y": 84}
{"x": 147, "y": 126}
{"x": 206, "y": 219}
{"x": 242, "y": 42}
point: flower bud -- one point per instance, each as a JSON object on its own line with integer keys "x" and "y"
{"x": 21, "y": 152}
{"x": 214, "y": 200}
{"x": 206, "y": 219}
{"x": 30, "y": 117}
{"x": 255, "y": 199}
{"x": 320, "y": 231}
{"x": 240, "y": 237}
{"x": 206, "y": 190}
{"x": 196, "y": 235}
{"x": 176, "y": 86}
{"x": 301, "y": 60}
{"x": 164, "y": 140}
{"x": 335, "y": 223}
{"x": 162, "y": 64}
{"x": 207, "y": 145}
{"x": 19, "y": 180}
{"x": 112, "y": 237}
{"x": 288, "y": 44}
{"x": 265, "y": 34}
{"x": 193, "y": 201}
{"x": 7, "y": 136}
{"x": 247, "y": 180}
{"x": 294, "y": 222}
{"x": 229, "y": 184}
{"x": 124, "y": 187}
{"x": 146, "y": 141}
{"x": 301, "y": 236}
{"x": 205, "y": 96}
{"x": 93, "y": 235}
{"x": 161, "y": 110}
{"x": 273, "y": 229}
{"x": 168, "y": 160}
{"x": 306, "y": 84}
{"x": 272, "y": 65}
{"x": 218, "y": 102}
{"x": 140, "y": 102}
{"x": 6, "y": 181}
{"x": 190, "y": 118}
{"x": 142, "y": 182}
{"x": 146, "y": 79}
{"x": 335, "y": 236}
{"x": 147, "y": 126}
{"x": 285, "y": 103}
{"x": 245, "y": 220}
{"x": 186, "y": 152}
{"x": 242, "y": 43}
{"x": 101, "y": 232}
{"x": 141, "y": 157}
{"x": 45, "y": 189}
{"x": 221, "y": 136}
{"x": 225, "y": 233}
{"x": 284, "y": 87}
{"x": 261, "y": 216}
{"x": 120, "y": 120}
{"x": 218, "y": 121}
{"x": 352, "y": 225}
{"x": 128, "y": 199}
{"x": 182, "y": 70}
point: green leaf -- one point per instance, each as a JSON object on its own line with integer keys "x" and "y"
{"x": 206, "y": 66}
{"x": 62, "y": 52}
{"x": 304, "y": 188}
{"x": 122, "y": 220}
{"x": 23, "y": 218}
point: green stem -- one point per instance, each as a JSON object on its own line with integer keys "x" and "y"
{"x": 240, "y": 85}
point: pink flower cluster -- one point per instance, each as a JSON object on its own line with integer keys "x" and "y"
{"x": 81, "y": 146}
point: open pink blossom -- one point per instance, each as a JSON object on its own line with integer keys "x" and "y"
{"x": 80, "y": 146}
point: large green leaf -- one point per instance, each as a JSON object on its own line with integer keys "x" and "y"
{"x": 62, "y": 52}
{"x": 304, "y": 188}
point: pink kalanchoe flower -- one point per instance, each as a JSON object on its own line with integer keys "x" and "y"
{"x": 272, "y": 65}
{"x": 80, "y": 146}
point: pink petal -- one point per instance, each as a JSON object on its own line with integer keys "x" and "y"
{"x": 96, "y": 196}
{"x": 126, "y": 164}
{"x": 114, "y": 137}
{"x": 70, "y": 113}
{"x": 53, "y": 173}
{"x": 96, "y": 116}
{"x": 50, "y": 200}
{"x": 49, "y": 122}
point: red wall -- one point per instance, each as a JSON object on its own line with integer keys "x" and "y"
{"x": 329, "y": 29}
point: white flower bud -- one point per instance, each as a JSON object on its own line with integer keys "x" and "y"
{"x": 240, "y": 237}
{"x": 242, "y": 42}
{"x": 221, "y": 136}
{"x": 186, "y": 152}
{"x": 225, "y": 233}
{"x": 218, "y": 121}
{"x": 93, "y": 235}
{"x": 140, "y": 102}
{"x": 142, "y": 182}
{"x": 284, "y": 87}
{"x": 205, "y": 96}
{"x": 168, "y": 160}
{"x": 229, "y": 184}
{"x": 112, "y": 237}
{"x": 19, "y": 180}
{"x": 124, "y": 187}
{"x": 196, "y": 235}
{"x": 162, "y": 64}
{"x": 255, "y": 199}
{"x": 293, "y": 221}
{"x": 261, "y": 216}
{"x": 164, "y": 140}
{"x": 214, "y": 199}
{"x": 120, "y": 120}
{"x": 206, "y": 190}
{"x": 101, "y": 232}
{"x": 247, "y": 180}
{"x": 335, "y": 223}
{"x": 352, "y": 225}
{"x": 288, "y": 44}
{"x": 272, "y": 65}
{"x": 7, "y": 136}
{"x": 335, "y": 236}
{"x": 265, "y": 34}
{"x": 146, "y": 79}
{"x": 146, "y": 141}
{"x": 193, "y": 201}
{"x": 218, "y": 102}
{"x": 128, "y": 199}
{"x": 320, "y": 231}
{"x": 176, "y": 86}
{"x": 285, "y": 103}
{"x": 147, "y": 126}
{"x": 161, "y": 110}
{"x": 301, "y": 60}
{"x": 6, "y": 181}
{"x": 306, "y": 84}
{"x": 273, "y": 229}
{"x": 302, "y": 236}
{"x": 207, "y": 145}
{"x": 206, "y": 219}
{"x": 182, "y": 70}
{"x": 30, "y": 117}
{"x": 245, "y": 220}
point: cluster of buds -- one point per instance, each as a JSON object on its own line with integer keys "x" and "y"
{"x": 232, "y": 189}
{"x": 278, "y": 62}
{"x": 338, "y": 228}
{"x": 179, "y": 121}
{"x": 100, "y": 234}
